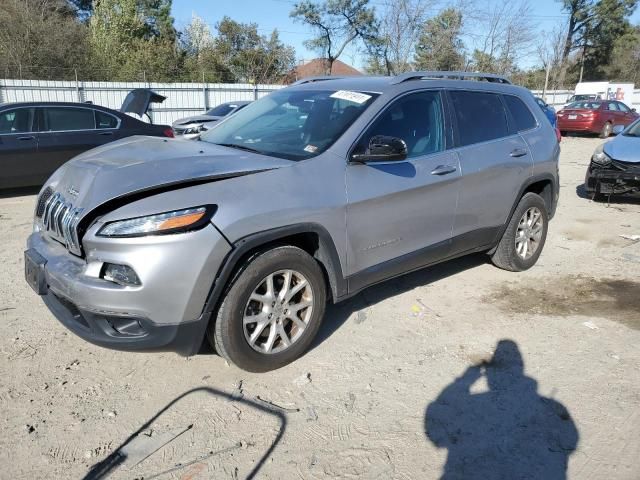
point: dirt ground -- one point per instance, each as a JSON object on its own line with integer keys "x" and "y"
{"x": 461, "y": 370}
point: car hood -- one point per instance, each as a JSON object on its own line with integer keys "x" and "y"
{"x": 138, "y": 100}
{"x": 624, "y": 148}
{"x": 196, "y": 119}
{"x": 144, "y": 165}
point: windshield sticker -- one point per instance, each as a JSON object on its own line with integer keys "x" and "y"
{"x": 355, "y": 97}
{"x": 310, "y": 148}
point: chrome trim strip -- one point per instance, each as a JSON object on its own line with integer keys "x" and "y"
{"x": 60, "y": 221}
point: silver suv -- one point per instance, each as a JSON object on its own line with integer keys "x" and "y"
{"x": 308, "y": 195}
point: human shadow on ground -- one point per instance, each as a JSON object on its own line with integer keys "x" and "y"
{"x": 117, "y": 458}
{"x": 337, "y": 314}
{"x": 508, "y": 432}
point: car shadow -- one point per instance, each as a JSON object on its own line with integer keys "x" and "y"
{"x": 19, "y": 192}
{"x": 629, "y": 198}
{"x": 338, "y": 314}
{"x": 117, "y": 457}
{"x": 506, "y": 432}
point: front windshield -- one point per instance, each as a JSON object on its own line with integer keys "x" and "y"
{"x": 291, "y": 124}
{"x": 585, "y": 105}
{"x": 221, "y": 110}
{"x": 633, "y": 130}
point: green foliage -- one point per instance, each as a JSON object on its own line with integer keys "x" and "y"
{"x": 336, "y": 24}
{"x": 440, "y": 46}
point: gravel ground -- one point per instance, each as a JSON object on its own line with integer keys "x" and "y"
{"x": 458, "y": 371}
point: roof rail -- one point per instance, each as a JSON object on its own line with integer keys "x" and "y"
{"x": 489, "y": 77}
{"x": 316, "y": 79}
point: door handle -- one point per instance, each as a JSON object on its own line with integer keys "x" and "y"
{"x": 443, "y": 169}
{"x": 518, "y": 152}
{"x": 106, "y": 134}
{"x": 27, "y": 137}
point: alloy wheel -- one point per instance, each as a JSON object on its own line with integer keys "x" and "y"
{"x": 529, "y": 233}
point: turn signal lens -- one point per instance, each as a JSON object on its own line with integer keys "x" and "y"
{"x": 169, "y": 222}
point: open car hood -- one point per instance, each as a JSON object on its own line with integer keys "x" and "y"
{"x": 138, "y": 100}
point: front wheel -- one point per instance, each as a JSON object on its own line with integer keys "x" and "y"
{"x": 272, "y": 310}
{"x": 522, "y": 241}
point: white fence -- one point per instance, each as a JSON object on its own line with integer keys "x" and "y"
{"x": 183, "y": 99}
{"x": 557, "y": 98}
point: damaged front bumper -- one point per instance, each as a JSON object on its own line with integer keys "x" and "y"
{"x": 613, "y": 178}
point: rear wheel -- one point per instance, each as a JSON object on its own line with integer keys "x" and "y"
{"x": 606, "y": 130}
{"x": 272, "y": 310}
{"x": 524, "y": 238}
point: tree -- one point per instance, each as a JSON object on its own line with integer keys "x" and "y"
{"x": 252, "y": 57}
{"x": 508, "y": 37}
{"x": 440, "y": 46}
{"x": 624, "y": 64}
{"x": 35, "y": 36}
{"x": 400, "y": 24}
{"x": 336, "y": 24}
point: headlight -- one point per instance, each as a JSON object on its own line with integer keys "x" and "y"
{"x": 195, "y": 130}
{"x": 600, "y": 157}
{"x": 162, "y": 223}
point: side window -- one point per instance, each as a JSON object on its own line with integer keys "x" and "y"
{"x": 104, "y": 120}
{"x": 19, "y": 120}
{"x": 520, "y": 113}
{"x": 481, "y": 116}
{"x": 612, "y": 106}
{"x": 58, "y": 119}
{"x": 416, "y": 118}
{"x": 622, "y": 107}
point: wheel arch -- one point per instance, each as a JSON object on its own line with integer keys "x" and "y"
{"x": 310, "y": 237}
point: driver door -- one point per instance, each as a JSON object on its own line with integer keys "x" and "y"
{"x": 400, "y": 214}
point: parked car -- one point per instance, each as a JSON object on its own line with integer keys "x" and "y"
{"x": 192, "y": 127}
{"x": 615, "y": 165}
{"x": 38, "y": 137}
{"x": 308, "y": 195}
{"x": 548, "y": 110}
{"x": 581, "y": 98}
{"x": 595, "y": 116}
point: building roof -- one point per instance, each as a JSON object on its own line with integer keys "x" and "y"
{"x": 317, "y": 67}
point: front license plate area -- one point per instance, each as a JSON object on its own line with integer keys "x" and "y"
{"x": 34, "y": 271}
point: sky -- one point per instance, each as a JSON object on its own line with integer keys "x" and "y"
{"x": 270, "y": 14}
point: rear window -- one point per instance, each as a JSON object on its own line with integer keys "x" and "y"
{"x": 480, "y": 116}
{"x": 104, "y": 120}
{"x": 60, "y": 119}
{"x": 585, "y": 105}
{"x": 520, "y": 112}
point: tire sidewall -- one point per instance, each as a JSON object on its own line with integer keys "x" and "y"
{"x": 528, "y": 201}
{"x": 229, "y": 324}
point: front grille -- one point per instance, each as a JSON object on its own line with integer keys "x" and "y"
{"x": 625, "y": 166}
{"x": 46, "y": 195}
{"x": 60, "y": 220}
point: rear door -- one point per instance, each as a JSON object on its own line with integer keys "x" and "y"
{"x": 628, "y": 115}
{"x": 495, "y": 163}
{"x": 614, "y": 115}
{"x": 66, "y": 131}
{"x": 401, "y": 212}
{"x": 18, "y": 147}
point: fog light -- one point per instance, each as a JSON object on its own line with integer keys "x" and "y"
{"x": 120, "y": 274}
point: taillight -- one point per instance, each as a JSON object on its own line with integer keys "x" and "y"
{"x": 587, "y": 114}
{"x": 168, "y": 132}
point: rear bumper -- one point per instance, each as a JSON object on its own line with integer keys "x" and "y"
{"x": 587, "y": 126}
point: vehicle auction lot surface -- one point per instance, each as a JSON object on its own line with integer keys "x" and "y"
{"x": 354, "y": 406}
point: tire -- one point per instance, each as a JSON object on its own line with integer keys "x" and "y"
{"x": 507, "y": 255}
{"x": 232, "y": 338}
{"x": 606, "y": 130}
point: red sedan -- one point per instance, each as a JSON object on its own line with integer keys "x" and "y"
{"x": 595, "y": 116}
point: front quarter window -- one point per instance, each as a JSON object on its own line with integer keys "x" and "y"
{"x": 291, "y": 124}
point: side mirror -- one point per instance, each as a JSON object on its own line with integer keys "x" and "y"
{"x": 617, "y": 129}
{"x": 633, "y": 110}
{"x": 382, "y": 148}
